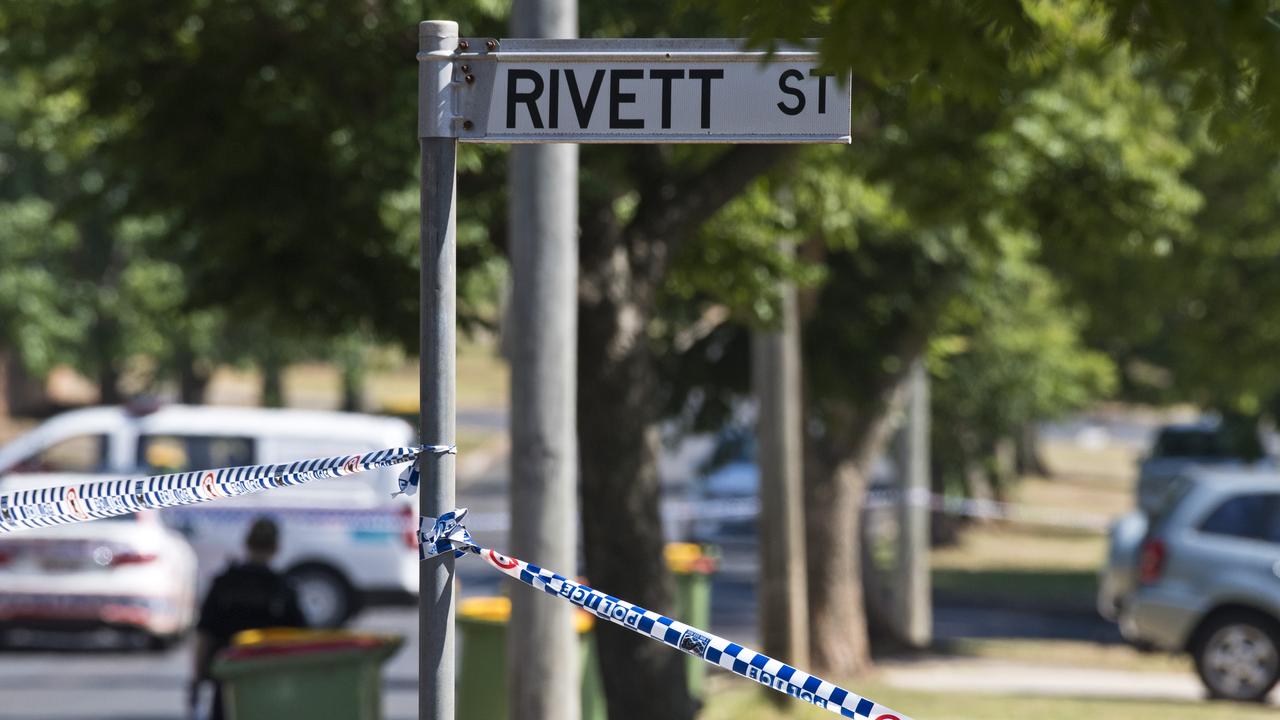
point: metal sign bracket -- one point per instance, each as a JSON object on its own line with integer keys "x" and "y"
{"x": 444, "y": 75}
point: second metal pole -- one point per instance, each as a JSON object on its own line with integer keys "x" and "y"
{"x": 915, "y": 610}
{"x": 776, "y": 381}
{"x": 542, "y": 648}
{"x": 438, "y": 251}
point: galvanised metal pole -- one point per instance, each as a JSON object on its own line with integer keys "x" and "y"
{"x": 776, "y": 380}
{"x": 437, "y": 39}
{"x": 543, "y": 676}
{"x": 915, "y": 609}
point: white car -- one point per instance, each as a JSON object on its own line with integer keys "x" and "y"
{"x": 345, "y": 541}
{"x": 129, "y": 580}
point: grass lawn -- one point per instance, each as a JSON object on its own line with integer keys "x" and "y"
{"x": 1020, "y": 565}
{"x": 1108, "y": 466}
{"x": 1024, "y": 563}
{"x": 739, "y": 703}
{"x": 483, "y": 380}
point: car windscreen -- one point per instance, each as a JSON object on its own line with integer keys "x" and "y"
{"x": 76, "y": 454}
{"x": 160, "y": 454}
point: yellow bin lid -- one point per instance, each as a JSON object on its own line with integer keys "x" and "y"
{"x": 497, "y": 610}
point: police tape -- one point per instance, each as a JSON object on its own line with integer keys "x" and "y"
{"x": 446, "y": 534}
{"x": 984, "y": 509}
{"x": 42, "y": 507}
{"x": 678, "y": 513}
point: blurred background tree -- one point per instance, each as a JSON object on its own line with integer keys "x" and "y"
{"x": 1007, "y": 353}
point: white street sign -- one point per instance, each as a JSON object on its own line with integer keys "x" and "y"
{"x": 641, "y": 91}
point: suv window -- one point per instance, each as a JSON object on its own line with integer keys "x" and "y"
{"x": 161, "y": 454}
{"x": 79, "y": 454}
{"x": 1256, "y": 517}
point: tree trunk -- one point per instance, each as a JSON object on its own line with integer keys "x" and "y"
{"x": 272, "y": 382}
{"x": 877, "y": 590}
{"x": 973, "y": 463}
{"x": 24, "y": 394}
{"x": 353, "y": 386}
{"x": 834, "y": 490}
{"x": 108, "y": 382}
{"x": 838, "y": 642}
{"x": 5, "y": 359}
{"x": 1030, "y": 458}
{"x": 836, "y": 466}
{"x": 193, "y": 380}
{"x": 621, "y": 526}
{"x": 1004, "y": 466}
{"x": 104, "y": 338}
{"x": 621, "y": 267}
{"x": 103, "y": 261}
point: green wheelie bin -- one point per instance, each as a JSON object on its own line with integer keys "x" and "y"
{"x": 482, "y": 673}
{"x": 287, "y": 674}
{"x": 693, "y": 566}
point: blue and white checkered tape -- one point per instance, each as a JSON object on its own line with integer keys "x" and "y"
{"x": 446, "y": 534}
{"x": 411, "y": 477}
{"x": 66, "y": 504}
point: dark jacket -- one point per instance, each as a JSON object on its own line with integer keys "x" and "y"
{"x": 248, "y": 596}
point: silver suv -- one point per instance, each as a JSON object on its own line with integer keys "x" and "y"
{"x": 1208, "y": 580}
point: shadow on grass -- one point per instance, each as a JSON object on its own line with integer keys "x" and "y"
{"x": 1017, "y": 604}
{"x": 1050, "y": 590}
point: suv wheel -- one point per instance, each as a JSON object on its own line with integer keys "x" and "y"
{"x": 325, "y": 598}
{"x": 1238, "y": 657}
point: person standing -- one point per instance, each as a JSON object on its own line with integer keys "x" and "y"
{"x": 246, "y": 596}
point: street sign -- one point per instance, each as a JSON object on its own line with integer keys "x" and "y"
{"x": 640, "y": 91}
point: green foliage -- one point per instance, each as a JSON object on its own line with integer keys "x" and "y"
{"x": 275, "y": 138}
{"x": 38, "y": 316}
{"x": 1230, "y": 49}
{"x": 1079, "y": 172}
{"x": 932, "y": 48}
{"x": 1214, "y": 331}
{"x": 975, "y": 49}
{"x": 1007, "y": 353}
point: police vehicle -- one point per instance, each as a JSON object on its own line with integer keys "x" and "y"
{"x": 345, "y": 542}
